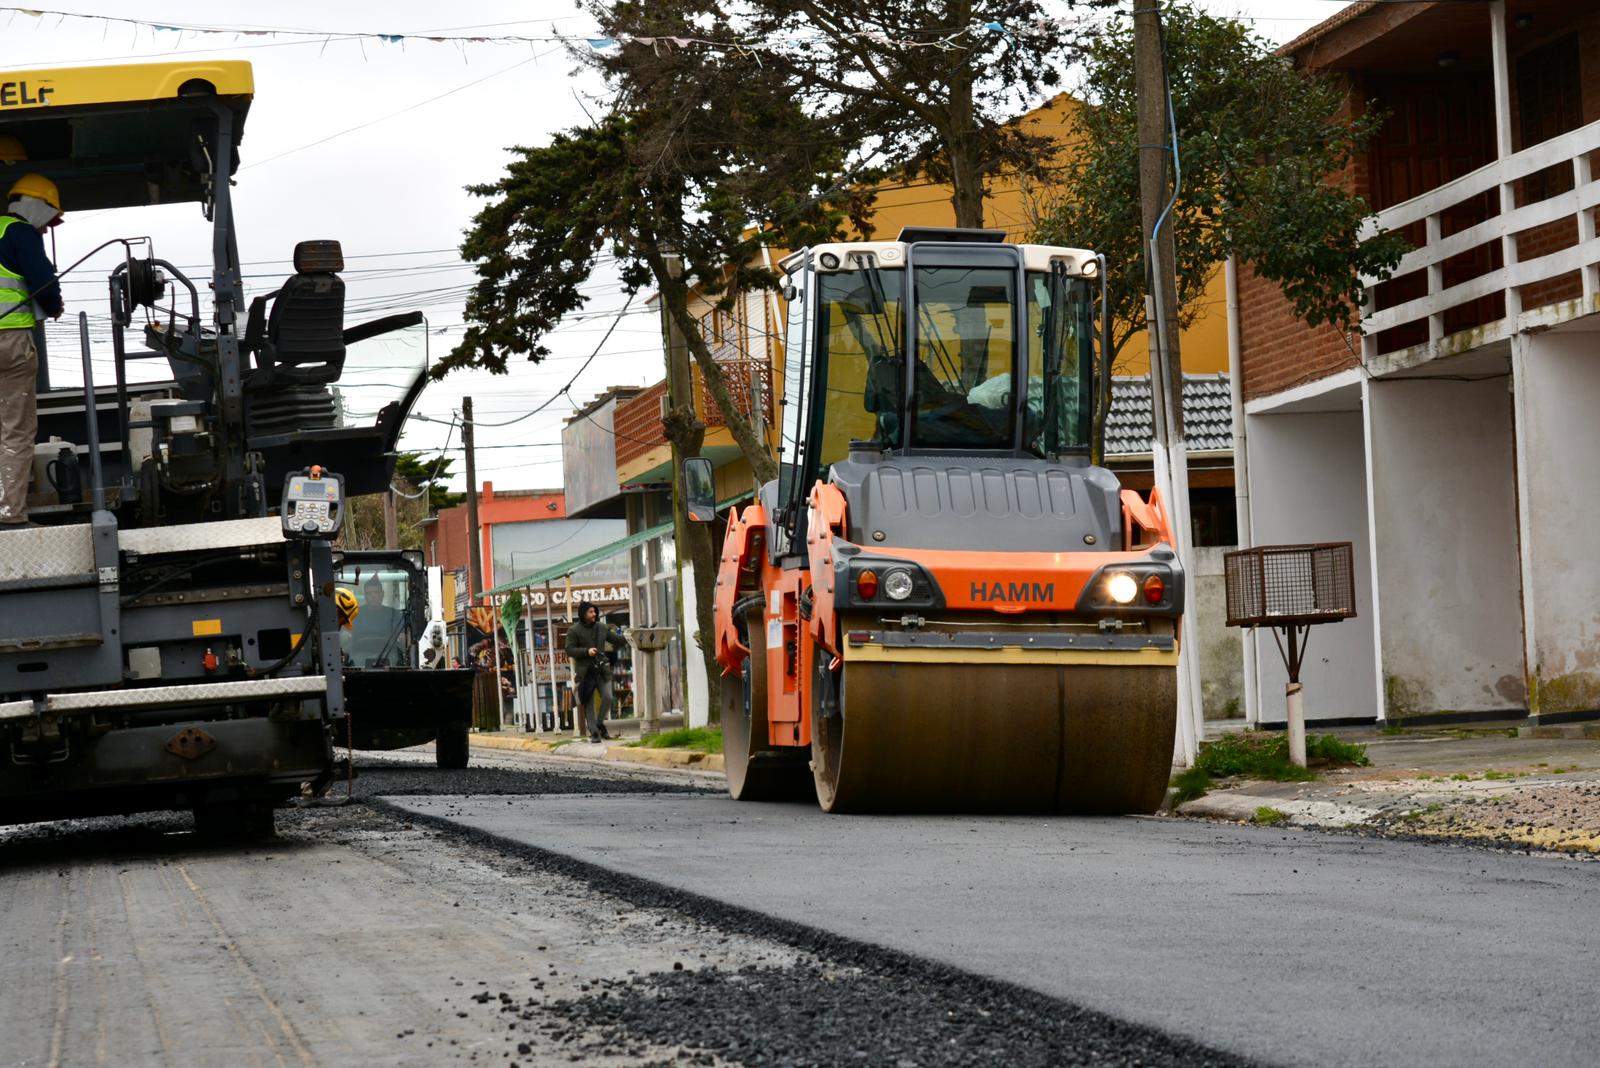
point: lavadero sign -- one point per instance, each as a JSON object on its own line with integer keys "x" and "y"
{"x": 597, "y": 595}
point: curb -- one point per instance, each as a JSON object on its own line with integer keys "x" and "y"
{"x": 670, "y": 758}
{"x": 666, "y": 758}
{"x": 527, "y": 745}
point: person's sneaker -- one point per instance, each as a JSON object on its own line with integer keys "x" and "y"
{"x": 594, "y": 739}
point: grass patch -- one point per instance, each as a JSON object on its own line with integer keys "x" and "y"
{"x": 696, "y": 739}
{"x": 1460, "y": 776}
{"x": 1261, "y": 755}
{"x": 1267, "y": 816}
{"x": 1498, "y": 775}
{"x": 1391, "y": 729}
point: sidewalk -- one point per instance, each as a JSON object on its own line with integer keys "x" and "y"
{"x": 565, "y": 743}
{"x": 1476, "y": 784}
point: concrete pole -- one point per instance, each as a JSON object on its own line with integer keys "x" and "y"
{"x": 550, "y": 640}
{"x": 474, "y": 545}
{"x": 680, "y": 394}
{"x": 1241, "y": 477}
{"x": 1166, "y": 370}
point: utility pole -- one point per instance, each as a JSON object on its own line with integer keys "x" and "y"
{"x": 474, "y": 551}
{"x": 391, "y": 521}
{"x": 1156, "y": 150}
{"x": 680, "y": 401}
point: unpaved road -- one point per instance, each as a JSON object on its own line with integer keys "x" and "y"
{"x": 363, "y": 936}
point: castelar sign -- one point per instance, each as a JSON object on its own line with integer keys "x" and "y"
{"x": 594, "y": 595}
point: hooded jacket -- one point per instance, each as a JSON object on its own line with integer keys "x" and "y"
{"x": 581, "y": 637}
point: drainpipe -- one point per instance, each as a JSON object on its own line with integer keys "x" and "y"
{"x": 1241, "y": 476}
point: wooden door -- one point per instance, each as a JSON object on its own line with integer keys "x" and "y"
{"x": 1439, "y": 128}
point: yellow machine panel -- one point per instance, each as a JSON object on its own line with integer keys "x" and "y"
{"x": 77, "y": 86}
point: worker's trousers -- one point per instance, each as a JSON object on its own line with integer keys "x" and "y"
{"x": 19, "y": 421}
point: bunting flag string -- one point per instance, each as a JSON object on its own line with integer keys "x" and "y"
{"x": 975, "y": 35}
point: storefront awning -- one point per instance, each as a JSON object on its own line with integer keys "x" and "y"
{"x": 602, "y": 552}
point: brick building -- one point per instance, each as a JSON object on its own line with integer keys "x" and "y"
{"x": 1450, "y": 438}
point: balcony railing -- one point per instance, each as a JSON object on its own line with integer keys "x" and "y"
{"x": 1509, "y": 237}
{"x": 638, "y": 420}
{"x": 749, "y": 380}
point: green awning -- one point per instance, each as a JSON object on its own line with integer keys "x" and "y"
{"x": 584, "y": 559}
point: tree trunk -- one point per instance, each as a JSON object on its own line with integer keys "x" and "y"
{"x": 966, "y": 168}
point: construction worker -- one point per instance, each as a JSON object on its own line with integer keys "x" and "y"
{"x": 27, "y": 281}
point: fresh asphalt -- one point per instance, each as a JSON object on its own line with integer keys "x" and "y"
{"x": 1288, "y": 947}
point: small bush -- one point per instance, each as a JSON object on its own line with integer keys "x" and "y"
{"x": 1327, "y": 747}
{"x": 1261, "y": 755}
{"x": 1190, "y": 784}
{"x": 698, "y": 739}
{"x": 1267, "y": 816}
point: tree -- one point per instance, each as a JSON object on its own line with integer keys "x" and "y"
{"x": 702, "y": 158}
{"x": 927, "y": 86}
{"x": 418, "y": 471}
{"x": 1261, "y": 146}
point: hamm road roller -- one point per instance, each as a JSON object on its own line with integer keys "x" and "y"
{"x": 942, "y": 604}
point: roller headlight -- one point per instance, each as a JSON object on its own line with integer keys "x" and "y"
{"x": 897, "y": 584}
{"x": 1122, "y": 587}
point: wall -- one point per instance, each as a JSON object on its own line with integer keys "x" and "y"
{"x": 1277, "y": 349}
{"x": 1558, "y": 382}
{"x": 1221, "y": 656}
{"x": 1445, "y": 517}
{"x": 1308, "y": 484}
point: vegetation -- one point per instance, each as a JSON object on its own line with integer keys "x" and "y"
{"x": 696, "y": 739}
{"x": 1257, "y": 141}
{"x": 1262, "y": 755}
{"x": 419, "y": 482}
{"x": 1267, "y": 816}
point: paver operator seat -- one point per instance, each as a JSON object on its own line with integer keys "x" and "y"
{"x": 301, "y": 341}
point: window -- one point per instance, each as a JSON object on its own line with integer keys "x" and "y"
{"x": 965, "y": 329}
{"x": 1060, "y": 364}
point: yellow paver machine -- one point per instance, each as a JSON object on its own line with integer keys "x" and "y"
{"x": 942, "y": 604}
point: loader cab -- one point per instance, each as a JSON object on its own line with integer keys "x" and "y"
{"x": 945, "y": 343}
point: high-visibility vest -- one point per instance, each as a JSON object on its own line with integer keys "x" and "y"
{"x": 14, "y": 289}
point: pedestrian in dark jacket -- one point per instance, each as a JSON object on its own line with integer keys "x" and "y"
{"x": 591, "y": 667}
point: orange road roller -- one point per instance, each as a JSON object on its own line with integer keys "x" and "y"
{"x": 942, "y": 604}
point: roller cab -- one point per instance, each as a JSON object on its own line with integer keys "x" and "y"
{"x": 941, "y": 604}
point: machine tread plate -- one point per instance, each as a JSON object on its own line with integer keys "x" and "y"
{"x": 199, "y": 537}
{"x": 47, "y": 552}
{"x": 196, "y": 693}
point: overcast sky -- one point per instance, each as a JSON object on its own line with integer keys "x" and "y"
{"x": 372, "y": 143}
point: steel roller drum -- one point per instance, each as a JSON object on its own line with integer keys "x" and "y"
{"x": 965, "y": 737}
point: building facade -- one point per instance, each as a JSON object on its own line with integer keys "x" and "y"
{"x": 1449, "y": 438}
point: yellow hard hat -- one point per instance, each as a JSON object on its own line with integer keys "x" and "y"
{"x": 37, "y": 185}
{"x": 347, "y": 605}
{"x": 11, "y": 150}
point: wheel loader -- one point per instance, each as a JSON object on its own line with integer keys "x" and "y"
{"x": 942, "y": 605}
{"x": 168, "y": 630}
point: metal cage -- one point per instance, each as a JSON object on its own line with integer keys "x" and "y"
{"x": 1279, "y": 585}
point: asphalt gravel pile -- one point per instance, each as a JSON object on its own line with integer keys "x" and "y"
{"x": 377, "y": 777}
{"x": 816, "y": 1013}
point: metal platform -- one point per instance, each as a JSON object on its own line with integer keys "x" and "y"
{"x": 196, "y": 693}
{"x": 197, "y": 537}
{"x": 34, "y": 553}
